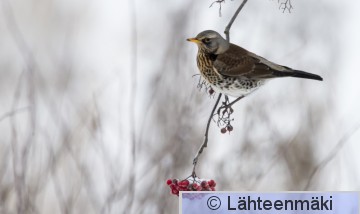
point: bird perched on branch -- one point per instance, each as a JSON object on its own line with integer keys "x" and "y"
{"x": 234, "y": 71}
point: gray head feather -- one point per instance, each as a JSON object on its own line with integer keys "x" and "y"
{"x": 212, "y": 42}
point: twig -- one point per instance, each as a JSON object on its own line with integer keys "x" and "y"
{"x": 206, "y": 136}
{"x": 286, "y": 5}
{"x": 13, "y": 112}
{"x": 133, "y": 70}
{"x": 30, "y": 64}
{"x": 332, "y": 154}
{"x": 227, "y": 29}
{"x": 15, "y": 147}
{"x": 219, "y": 2}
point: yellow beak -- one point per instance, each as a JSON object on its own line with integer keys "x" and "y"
{"x": 193, "y": 40}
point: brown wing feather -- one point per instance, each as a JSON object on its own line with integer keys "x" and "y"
{"x": 237, "y": 61}
{"x": 234, "y": 62}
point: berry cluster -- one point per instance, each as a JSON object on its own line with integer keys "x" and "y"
{"x": 227, "y": 128}
{"x": 190, "y": 184}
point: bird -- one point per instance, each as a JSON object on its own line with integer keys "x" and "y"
{"x": 235, "y": 71}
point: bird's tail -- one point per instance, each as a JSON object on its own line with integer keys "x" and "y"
{"x": 306, "y": 75}
{"x": 298, "y": 74}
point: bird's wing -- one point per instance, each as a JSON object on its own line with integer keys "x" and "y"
{"x": 237, "y": 62}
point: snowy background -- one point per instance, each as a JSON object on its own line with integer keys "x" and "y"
{"x": 99, "y": 105}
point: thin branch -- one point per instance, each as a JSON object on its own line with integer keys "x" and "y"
{"x": 219, "y": 2}
{"x": 133, "y": 74}
{"x": 285, "y": 5}
{"x": 13, "y": 112}
{"x": 332, "y": 154}
{"x": 227, "y": 29}
{"x": 206, "y": 136}
{"x": 30, "y": 64}
{"x": 15, "y": 148}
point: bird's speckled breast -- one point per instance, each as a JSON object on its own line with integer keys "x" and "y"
{"x": 232, "y": 86}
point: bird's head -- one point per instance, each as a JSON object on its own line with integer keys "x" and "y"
{"x": 211, "y": 42}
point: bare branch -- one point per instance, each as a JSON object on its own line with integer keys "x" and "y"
{"x": 29, "y": 60}
{"x": 133, "y": 74}
{"x": 218, "y": 2}
{"x": 13, "y": 112}
{"x": 227, "y": 29}
{"x": 285, "y": 5}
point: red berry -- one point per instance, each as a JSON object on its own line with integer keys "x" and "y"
{"x": 175, "y": 181}
{"x": 223, "y": 130}
{"x": 173, "y": 186}
{"x": 207, "y": 189}
{"x": 211, "y": 91}
{"x": 174, "y": 191}
{"x": 211, "y": 183}
{"x": 183, "y": 183}
{"x": 168, "y": 181}
{"x": 182, "y": 188}
{"x": 199, "y": 188}
{"x": 204, "y": 184}
{"x": 195, "y": 186}
{"x": 212, "y": 188}
{"x": 230, "y": 128}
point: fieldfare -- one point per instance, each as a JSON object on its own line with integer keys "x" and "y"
{"x": 234, "y": 71}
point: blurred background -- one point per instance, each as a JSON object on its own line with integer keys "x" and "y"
{"x": 99, "y": 105}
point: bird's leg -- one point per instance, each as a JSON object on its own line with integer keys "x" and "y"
{"x": 226, "y": 100}
{"x": 224, "y": 104}
{"x": 233, "y": 102}
{"x": 224, "y": 112}
{"x": 227, "y": 105}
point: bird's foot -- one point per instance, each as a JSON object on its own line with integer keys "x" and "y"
{"x": 225, "y": 108}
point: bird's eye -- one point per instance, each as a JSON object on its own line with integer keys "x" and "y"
{"x": 206, "y": 40}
